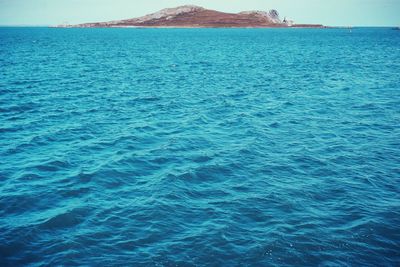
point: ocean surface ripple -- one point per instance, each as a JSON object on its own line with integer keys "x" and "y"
{"x": 196, "y": 147}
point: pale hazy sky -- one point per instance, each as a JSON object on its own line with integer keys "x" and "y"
{"x": 327, "y": 12}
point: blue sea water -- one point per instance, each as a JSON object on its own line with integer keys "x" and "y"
{"x": 199, "y": 147}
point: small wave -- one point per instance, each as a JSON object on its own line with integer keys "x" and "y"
{"x": 53, "y": 166}
{"x": 65, "y": 220}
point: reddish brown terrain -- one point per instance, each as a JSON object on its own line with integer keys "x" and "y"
{"x": 198, "y": 17}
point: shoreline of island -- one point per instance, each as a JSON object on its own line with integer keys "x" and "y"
{"x": 305, "y": 26}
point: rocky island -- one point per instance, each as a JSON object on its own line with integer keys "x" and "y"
{"x": 190, "y": 16}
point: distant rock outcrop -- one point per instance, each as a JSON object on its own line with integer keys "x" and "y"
{"x": 190, "y": 16}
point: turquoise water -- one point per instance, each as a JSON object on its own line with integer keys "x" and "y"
{"x": 199, "y": 147}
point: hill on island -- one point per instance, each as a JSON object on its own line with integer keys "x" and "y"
{"x": 190, "y": 16}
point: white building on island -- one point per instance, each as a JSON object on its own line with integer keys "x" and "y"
{"x": 289, "y": 23}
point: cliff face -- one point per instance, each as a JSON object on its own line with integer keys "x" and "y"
{"x": 198, "y": 17}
